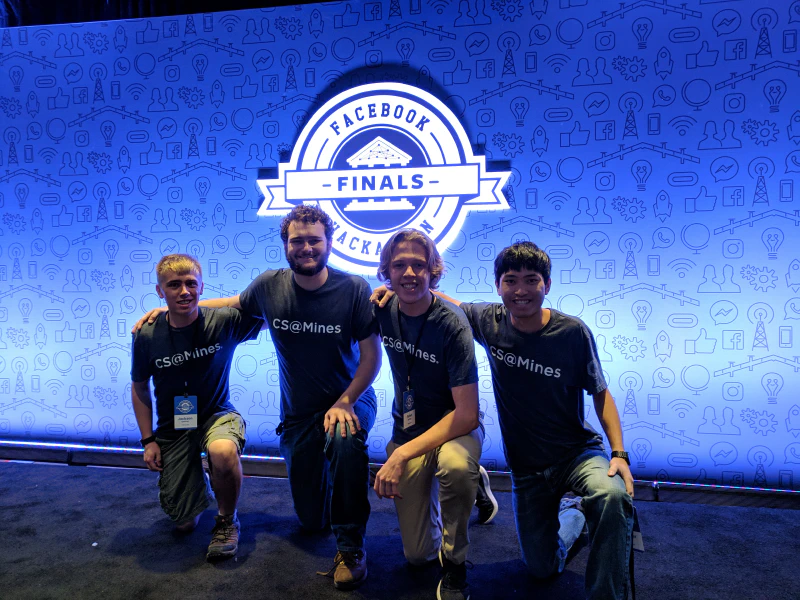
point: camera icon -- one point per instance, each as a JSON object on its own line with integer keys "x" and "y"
{"x": 604, "y": 181}
{"x": 175, "y": 195}
{"x": 486, "y": 251}
{"x": 733, "y": 248}
{"x": 87, "y": 372}
{"x": 732, "y": 391}
{"x": 81, "y": 138}
{"x": 485, "y": 117}
{"x": 373, "y": 58}
{"x": 271, "y": 129}
{"x": 604, "y": 319}
{"x": 734, "y": 103}
{"x": 85, "y": 256}
{"x": 172, "y": 72}
{"x": 605, "y": 40}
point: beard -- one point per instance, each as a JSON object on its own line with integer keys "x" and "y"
{"x": 322, "y": 262}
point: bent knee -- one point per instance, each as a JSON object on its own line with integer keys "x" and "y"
{"x": 223, "y": 454}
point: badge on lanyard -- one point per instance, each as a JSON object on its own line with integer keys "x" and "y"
{"x": 409, "y": 411}
{"x": 185, "y": 412}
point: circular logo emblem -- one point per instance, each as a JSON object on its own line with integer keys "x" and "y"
{"x": 184, "y": 406}
{"x": 379, "y": 158}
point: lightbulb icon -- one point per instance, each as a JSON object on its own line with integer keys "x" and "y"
{"x": 111, "y": 247}
{"x": 25, "y": 308}
{"x": 774, "y": 90}
{"x": 519, "y": 108}
{"x": 16, "y": 74}
{"x": 641, "y": 449}
{"x": 113, "y": 365}
{"x": 27, "y": 422}
{"x": 641, "y": 171}
{"x": 772, "y": 238}
{"x": 405, "y": 48}
{"x": 641, "y": 310}
{"x": 21, "y": 191}
{"x": 108, "y": 129}
{"x": 200, "y": 63}
{"x": 642, "y": 28}
{"x": 772, "y": 384}
{"x": 202, "y": 185}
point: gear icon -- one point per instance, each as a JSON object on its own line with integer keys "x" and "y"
{"x": 11, "y": 107}
{"x": 101, "y": 162}
{"x": 106, "y": 396}
{"x": 510, "y": 10}
{"x": 196, "y": 219}
{"x": 632, "y": 209}
{"x": 96, "y": 41}
{"x": 761, "y": 132}
{"x": 193, "y": 97}
{"x": 764, "y": 423}
{"x": 630, "y": 68}
{"x": 631, "y": 348}
{"x": 764, "y": 279}
{"x": 103, "y": 279}
{"x": 15, "y": 222}
{"x": 19, "y": 337}
{"x": 290, "y": 28}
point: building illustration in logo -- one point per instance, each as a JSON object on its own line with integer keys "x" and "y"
{"x": 379, "y": 152}
{"x": 379, "y": 158}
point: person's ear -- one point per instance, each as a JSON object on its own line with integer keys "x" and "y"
{"x": 159, "y": 291}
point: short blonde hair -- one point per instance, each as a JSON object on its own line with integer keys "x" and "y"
{"x": 435, "y": 262}
{"x": 180, "y": 264}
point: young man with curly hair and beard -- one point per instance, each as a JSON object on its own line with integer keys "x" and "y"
{"x": 188, "y": 353}
{"x": 432, "y": 466}
{"x": 325, "y": 335}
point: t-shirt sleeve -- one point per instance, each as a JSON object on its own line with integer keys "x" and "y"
{"x": 365, "y": 321}
{"x": 475, "y": 312}
{"x": 462, "y": 369}
{"x": 253, "y": 298}
{"x": 140, "y": 360}
{"x": 245, "y": 327}
{"x": 594, "y": 382}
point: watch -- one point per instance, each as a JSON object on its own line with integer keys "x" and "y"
{"x": 147, "y": 440}
{"x": 621, "y": 454}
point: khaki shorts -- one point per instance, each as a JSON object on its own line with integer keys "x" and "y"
{"x": 185, "y": 491}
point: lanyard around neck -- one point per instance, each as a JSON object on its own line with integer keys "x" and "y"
{"x": 413, "y": 356}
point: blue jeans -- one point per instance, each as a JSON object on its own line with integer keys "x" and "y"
{"x": 545, "y": 539}
{"x": 329, "y": 477}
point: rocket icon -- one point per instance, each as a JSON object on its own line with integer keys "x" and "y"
{"x": 219, "y": 217}
{"x": 793, "y": 275}
{"x": 793, "y": 421}
{"x": 794, "y": 127}
{"x": 124, "y": 159}
{"x": 120, "y": 39}
{"x": 315, "y": 23}
{"x": 217, "y": 93}
{"x": 126, "y": 279}
{"x": 664, "y": 63}
{"x": 32, "y": 105}
{"x": 662, "y": 347}
{"x": 539, "y": 141}
{"x": 40, "y": 337}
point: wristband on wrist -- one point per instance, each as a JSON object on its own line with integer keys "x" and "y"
{"x": 147, "y": 440}
{"x": 621, "y": 454}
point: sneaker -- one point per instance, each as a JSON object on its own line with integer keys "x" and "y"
{"x": 349, "y": 569}
{"x": 453, "y": 584}
{"x": 224, "y": 537}
{"x": 485, "y": 501}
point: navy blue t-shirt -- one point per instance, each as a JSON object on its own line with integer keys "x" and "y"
{"x": 316, "y": 336}
{"x": 539, "y": 381}
{"x": 443, "y": 359}
{"x": 195, "y": 359}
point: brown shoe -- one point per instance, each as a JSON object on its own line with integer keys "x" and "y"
{"x": 349, "y": 570}
{"x": 224, "y": 538}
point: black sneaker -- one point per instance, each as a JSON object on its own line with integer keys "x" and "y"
{"x": 485, "y": 501}
{"x": 453, "y": 584}
{"x": 224, "y": 537}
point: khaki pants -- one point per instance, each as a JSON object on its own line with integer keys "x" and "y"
{"x": 439, "y": 490}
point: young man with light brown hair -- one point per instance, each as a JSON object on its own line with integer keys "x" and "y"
{"x": 188, "y": 353}
{"x": 432, "y": 469}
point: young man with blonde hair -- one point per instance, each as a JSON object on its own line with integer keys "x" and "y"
{"x": 432, "y": 469}
{"x": 188, "y": 353}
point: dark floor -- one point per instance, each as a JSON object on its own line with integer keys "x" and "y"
{"x": 83, "y": 532}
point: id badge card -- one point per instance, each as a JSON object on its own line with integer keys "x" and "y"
{"x": 185, "y": 412}
{"x": 409, "y": 410}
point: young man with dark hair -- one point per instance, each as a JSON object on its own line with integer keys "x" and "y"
{"x": 325, "y": 336}
{"x": 542, "y": 362}
{"x": 188, "y": 353}
{"x": 432, "y": 469}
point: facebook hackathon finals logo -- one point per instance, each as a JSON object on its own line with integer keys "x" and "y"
{"x": 379, "y": 158}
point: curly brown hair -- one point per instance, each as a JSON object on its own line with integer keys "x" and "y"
{"x": 306, "y": 214}
{"x": 435, "y": 262}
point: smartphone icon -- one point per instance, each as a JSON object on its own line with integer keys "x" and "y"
{"x": 122, "y": 330}
{"x": 785, "y": 336}
{"x": 311, "y": 77}
{"x": 787, "y": 190}
{"x": 36, "y": 382}
{"x": 213, "y": 267}
{"x": 208, "y": 22}
{"x": 654, "y": 124}
{"x": 532, "y": 198}
{"x": 653, "y": 404}
{"x": 33, "y": 269}
{"x": 119, "y": 209}
{"x": 790, "y": 40}
{"x": 654, "y": 265}
{"x": 115, "y": 90}
{"x": 28, "y": 154}
{"x": 211, "y": 146}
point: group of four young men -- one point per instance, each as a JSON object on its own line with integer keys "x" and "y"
{"x": 327, "y": 333}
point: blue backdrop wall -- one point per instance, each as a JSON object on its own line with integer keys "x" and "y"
{"x": 654, "y": 153}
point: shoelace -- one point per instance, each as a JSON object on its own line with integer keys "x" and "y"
{"x": 222, "y": 531}
{"x": 348, "y": 558}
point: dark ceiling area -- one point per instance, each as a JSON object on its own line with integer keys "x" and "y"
{"x": 25, "y": 13}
